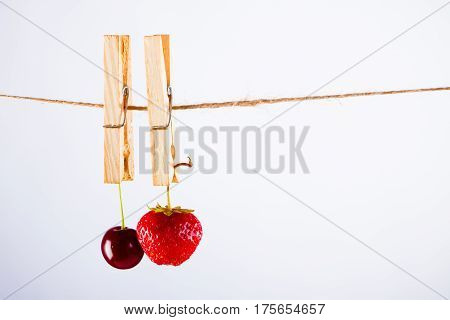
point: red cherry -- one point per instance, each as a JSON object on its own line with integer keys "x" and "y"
{"x": 121, "y": 249}
{"x": 169, "y": 239}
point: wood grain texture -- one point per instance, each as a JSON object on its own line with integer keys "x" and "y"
{"x": 128, "y": 150}
{"x": 118, "y": 142}
{"x": 157, "y": 62}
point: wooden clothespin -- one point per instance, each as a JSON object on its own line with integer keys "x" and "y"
{"x": 118, "y": 139}
{"x": 159, "y": 94}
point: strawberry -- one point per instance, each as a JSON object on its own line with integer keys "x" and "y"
{"x": 169, "y": 236}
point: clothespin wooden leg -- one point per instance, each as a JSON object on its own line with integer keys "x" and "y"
{"x": 157, "y": 61}
{"x": 118, "y": 143}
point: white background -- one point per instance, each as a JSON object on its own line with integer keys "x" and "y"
{"x": 379, "y": 165}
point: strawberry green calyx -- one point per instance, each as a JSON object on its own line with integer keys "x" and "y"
{"x": 168, "y": 211}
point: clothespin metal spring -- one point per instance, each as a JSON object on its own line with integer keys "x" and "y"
{"x": 125, "y": 93}
{"x": 164, "y": 127}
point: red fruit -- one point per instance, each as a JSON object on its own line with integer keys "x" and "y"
{"x": 169, "y": 236}
{"x": 121, "y": 249}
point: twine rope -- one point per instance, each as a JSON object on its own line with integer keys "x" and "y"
{"x": 237, "y": 103}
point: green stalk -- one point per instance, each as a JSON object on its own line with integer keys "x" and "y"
{"x": 168, "y": 197}
{"x": 121, "y": 206}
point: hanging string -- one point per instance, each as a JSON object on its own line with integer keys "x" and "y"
{"x": 238, "y": 103}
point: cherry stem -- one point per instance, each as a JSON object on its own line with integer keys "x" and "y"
{"x": 168, "y": 197}
{"x": 121, "y": 206}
